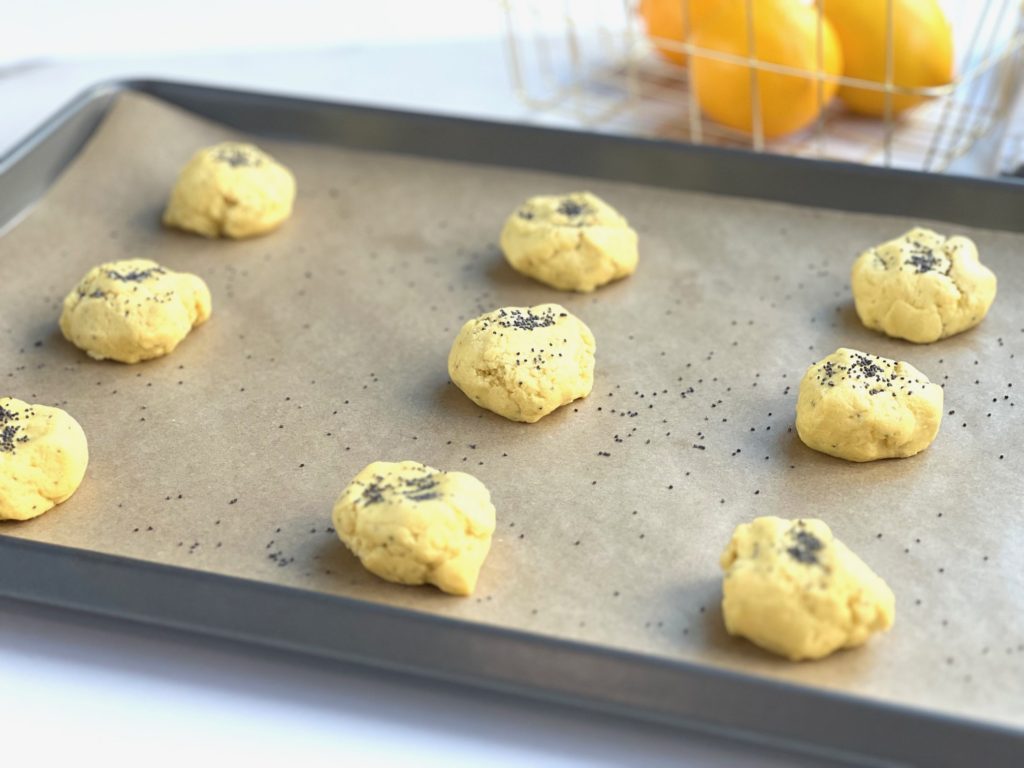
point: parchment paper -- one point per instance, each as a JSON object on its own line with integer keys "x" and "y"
{"x": 327, "y": 350}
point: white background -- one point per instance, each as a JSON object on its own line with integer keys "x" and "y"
{"x": 75, "y": 688}
{"x": 103, "y": 28}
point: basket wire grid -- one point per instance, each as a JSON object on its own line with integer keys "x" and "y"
{"x": 592, "y": 60}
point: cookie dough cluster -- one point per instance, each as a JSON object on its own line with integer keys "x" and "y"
{"x": 135, "y": 310}
{"x": 412, "y": 524}
{"x": 525, "y": 362}
{"x": 921, "y": 287}
{"x": 789, "y": 586}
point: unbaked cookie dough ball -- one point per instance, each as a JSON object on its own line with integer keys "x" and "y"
{"x": 574, "y": 242}
{"x": 413, "y": 524}
{"x": 133, "y": 310}
{"x": 231, "y": 190}
{"x": 795, "y": 590}
{"x": 862, "y": 407}
{"x": 922, "y": 286}
{"x": 43, "y": 456}
{"x": 524, "y": 362}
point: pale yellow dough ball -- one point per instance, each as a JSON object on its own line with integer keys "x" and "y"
{"x": 523, "y": 362}
{"x": 43, "y": 457}
{"x": 574, "y": 242}
{"x": 133, "y": 310}
{"x": 413, "y": 524}
{"x": 231, "y": 190}
{"x": 795, "y": 590}
{"x": 922, "y": 286}
{"x": 862, "y": 407}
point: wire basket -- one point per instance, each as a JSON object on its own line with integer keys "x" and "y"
{"x": 593, "y": 62}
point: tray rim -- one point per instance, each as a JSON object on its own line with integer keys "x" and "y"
{"x": 659, "y": 689}
{"x": 976, "y": 199}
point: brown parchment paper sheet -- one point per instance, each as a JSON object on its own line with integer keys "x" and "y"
{"x": 327, "y": 349}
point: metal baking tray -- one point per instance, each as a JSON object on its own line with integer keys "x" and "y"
{"x": 672, "y": 675}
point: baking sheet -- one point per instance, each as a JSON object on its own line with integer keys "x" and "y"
{"x": 327, "y": 350}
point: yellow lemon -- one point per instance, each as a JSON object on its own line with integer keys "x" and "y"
{"x": 785, "y": 33}
{"x": 922, "y": 49}
{"x": 665, "y": 20}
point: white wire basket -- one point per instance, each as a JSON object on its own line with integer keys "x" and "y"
{"x": 593, "y": 62}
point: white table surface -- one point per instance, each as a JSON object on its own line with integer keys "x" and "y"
{"x": 75, "y": 687}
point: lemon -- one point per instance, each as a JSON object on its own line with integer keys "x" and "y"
{"x": 785, "y": 33}
{"x": 922, "y": 49}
